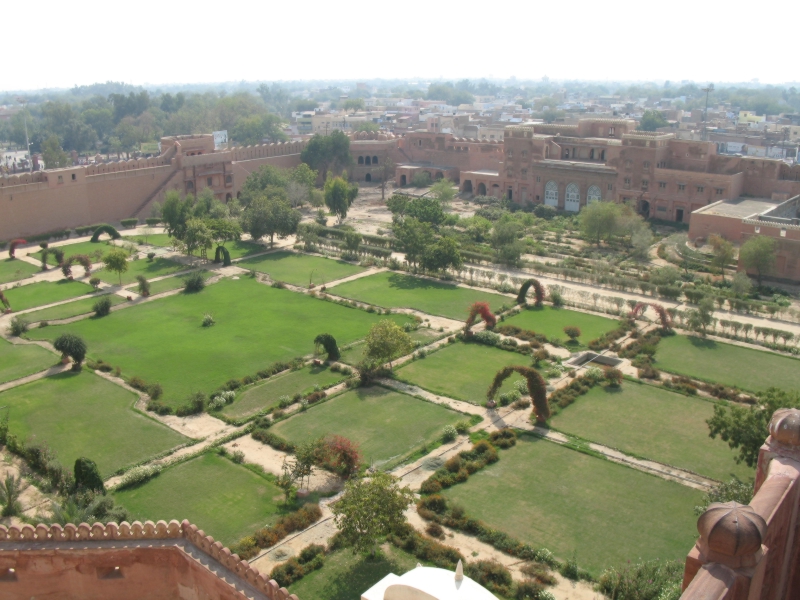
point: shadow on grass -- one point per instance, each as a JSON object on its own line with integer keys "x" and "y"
{"x": 360, "y": 576}
{"x": 409, "y": 282}
{"x": 702, "y": 343}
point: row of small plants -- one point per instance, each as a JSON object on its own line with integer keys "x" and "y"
{"x": 266, "y": 537}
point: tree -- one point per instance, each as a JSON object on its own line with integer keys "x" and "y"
{"x": 327, "y": 153}
{"x": 758, "y": 254}
{"x": 427, "y": 210}
{"x": 270, "y": 216}
{"x": 339, "y": 194}
{"x": 116, "y": 261}
{"x": 384, "y": 173}
{"x": 413, "y": 237}
{"x": 397, "y": 204}
{"x": 598, "y": 221}
{"x": 731, "y": 491}
{"x": 224, "y": 230}
{"x": 298, "y": 194}
{"x": 371, "y": 509}
{"x": 723, "y": 252}
{"x": 352, "y": 241}
{"x": 652, "y": 120}
{"x": 443, "y": 191}
{"x": 328, "y": 342}
{"x": 252, "y": 130}
{"x": 354, "y": 104}
{"x": 71, "y": 346}
{"x": 741, "y": 284}
{"x": 573, "y": 332}
{"x": 386, "y": 341}
{"x": 198, "y": 236}
{"x": 10, "y": 492}
{"x": 444, "y": 254}
{"x": 700, "y": 318}
{"x": 87, "y": 476}
{"x": 52, "y": 154}
{"x": 175, "y": 212}
{"x": 746, "y": 428}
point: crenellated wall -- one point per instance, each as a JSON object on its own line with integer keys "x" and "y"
{"x": 126, "y": 562}
{"x": 753, "y": 552}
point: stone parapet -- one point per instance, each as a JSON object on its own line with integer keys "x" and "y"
{"x": 213, "y": 569}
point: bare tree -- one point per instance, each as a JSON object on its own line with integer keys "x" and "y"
{"x": 385, "y": 171}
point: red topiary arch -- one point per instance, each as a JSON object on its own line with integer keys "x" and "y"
{"x": 482, "y": 309}
{"x": 84, "y": 261}
{"x": 666, "y": 322}
{"x": 538, "y": 290}
{"x": 12, "y": 247}
{"x": 537, "y": 388}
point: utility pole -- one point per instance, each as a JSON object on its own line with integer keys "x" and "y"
{"x": 24, "y": 102}
{"x": 707, "y": 90}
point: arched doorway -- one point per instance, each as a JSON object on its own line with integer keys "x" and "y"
{"x": 496, "y": 190}
{"x": 402, "y": 179}
{"x": 228, "y": 197}
{"x": 551, "y": 193}
{"x": 572, "y": 198}
{"x": 439, "y": 175}
{"x": 644, "y": 209}
{"x": 368, "y": 177}
{"x": 593, "y": 195}
{"x": 481, "y": 189}
{"x": 467, "y": 186}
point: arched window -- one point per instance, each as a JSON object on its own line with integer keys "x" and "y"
{"x": 572, "y": 199}
{"x": 374, "y": 160}
{"x": 551, "y": 193}
{"x": 602, "y": 154}
{"x": 591, "y": 154}
{"x": 366, "y": 160}
{"x": 361, "y": 160}
{"x": 593, "y": 194}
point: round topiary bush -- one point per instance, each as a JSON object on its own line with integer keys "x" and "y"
{"x": 194, "y": 283}
{"x": 102, "y": 307}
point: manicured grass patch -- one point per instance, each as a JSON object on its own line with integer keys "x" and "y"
{"x": 164, "y": 340}
{"x": 169, "y": 283}
{"x": 240, "y": 248}
{"x": 45, "y": 292}
{"x": 15, "y": 269}
{"x": 748, "y": 369}
{"x": 224, "y": 499}
{"x": 82, "y": 414}
{"x": 157, "y": 239}
{"x": 267, "y": 394}
{"x": 462, "y": 371}
{"x": 394, "y": 290}
{"x": 297, "y": 269}
{"x": 72, "y": 309}
{"x": 551, "y": 322}
{"x": 94, "y": 250}
{"x": 655, "y": 423}
{"x": 355, "y": 354}
{"x": 386, "y": 424}
{"x": 548, "y": 495}
{"x": 345, "y": 572}
{"x": 21, "y": 360}
{"x": 158, "y": 267}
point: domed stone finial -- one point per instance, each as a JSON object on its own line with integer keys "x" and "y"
{"x": 785, "y": 427}
{"x": 731, "y": 533}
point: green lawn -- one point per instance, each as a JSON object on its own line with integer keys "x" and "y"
{"x": 355, "y": 354}
{"x": 15, "y": 269}
{"x": 551, "y": 322}
{"x": 71, "y": 309}
{"x": 297, "y": 269}
{"x": 224, "y": 499}
{"x": 266, "y": 395}
{"x": 548, "y": 495}
{"x": 655, "y": 423}
{"x": 385, "y": 424}
{"x": 164, "y": 341}
{"x": 241, "y": 248}
{"x": 94, "y": 250}
{"x": 345, "y": 572}
{"x": 462, "y": 371}
{"x": 169, "y": 283}
{"x": 158, "y": 267}
{"x": 22, "y": 360}
{"x": 82, "y": 414}
{"x": 748, "y": 369}
{"x": 45, "y": 292}
{"x": 394, "y": 290}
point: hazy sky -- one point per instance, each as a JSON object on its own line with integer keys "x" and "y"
{"x": 61, "y": 44}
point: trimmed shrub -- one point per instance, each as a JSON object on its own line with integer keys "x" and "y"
{"x": 435, "y": 531}
{"x": 194, "y": 283}
{"x": 277, "y": 442}
{"x": 449, "y": 434}
{"x": 195, "y": 404}
{"x": 491, "y": 575}
{"x": 503, "y": 438}
{"x": 87, "y": 476}
{"x": 152, "y": 221}
{"x": 105, "y": 228}
{"x": 129, "y": 223}
{"x": 17, "y": 326}
{"x": 139, "y": 475}
{"x": 102, "y": 307}
{"x": 246, "y": 548}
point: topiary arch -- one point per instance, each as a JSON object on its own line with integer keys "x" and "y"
{"x": 328, "y": 342}
{"x": 105, "y": 229}
{"x": 12, "y": 247}
{"x": 222, "y": 254}
{"x": 66, "y": 266}
{"x": 482, "y": 309}
{"x": 84, "y": 261}
{"x": 537, "y": 289}
{"x": 666, "y": 322}
{"x": 537, "y": 388}
{"x": 45, "y": 253}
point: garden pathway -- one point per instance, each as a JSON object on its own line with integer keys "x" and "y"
{"x": 54, "y": 370}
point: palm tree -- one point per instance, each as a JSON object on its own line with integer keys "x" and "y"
{"x": 10, "y": 491}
